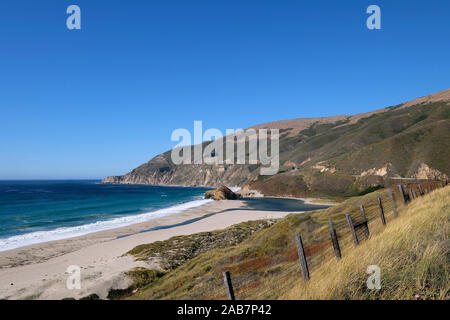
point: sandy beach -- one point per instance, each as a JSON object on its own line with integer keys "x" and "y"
{"x": 39, "y": 271}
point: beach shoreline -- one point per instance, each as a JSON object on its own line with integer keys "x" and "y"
{"x": 38, "y": 271}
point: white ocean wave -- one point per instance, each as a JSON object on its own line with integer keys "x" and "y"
{"x": 70, "y": 232}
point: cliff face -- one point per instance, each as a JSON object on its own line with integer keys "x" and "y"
{"x": 188, "y": 175}
{"x": 340, "y": 155}
{"x": 161, "y": 171}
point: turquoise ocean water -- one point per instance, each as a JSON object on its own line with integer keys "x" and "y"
{"x": 38, "y": 211}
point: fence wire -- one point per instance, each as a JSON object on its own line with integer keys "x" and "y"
{"x": 319, "y": 249}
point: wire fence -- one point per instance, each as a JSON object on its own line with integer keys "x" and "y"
{"x": 345, "y": 231}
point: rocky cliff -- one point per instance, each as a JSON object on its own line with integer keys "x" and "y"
{"x": 161, "y": 171}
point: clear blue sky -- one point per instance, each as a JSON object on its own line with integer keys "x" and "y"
{"x": 102, "y": 100}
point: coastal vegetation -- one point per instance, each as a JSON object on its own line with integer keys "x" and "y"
{"x": 412, "y": 252}
{"x": 176, "y": 251}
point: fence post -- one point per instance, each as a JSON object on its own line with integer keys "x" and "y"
{"x": 391, "y": 195}
{"x": 228, "y": 285}
{"x": 302, "y": 258}
{"x": 410, "y": 194}
{"x": 363, "y": 213}
{"x": 334, "y": 241}
{"x": 352, "y": 228}
{"x": 383, "y": 219}
{"x": 420, "y": 189}
{"x": 400, "y": 188}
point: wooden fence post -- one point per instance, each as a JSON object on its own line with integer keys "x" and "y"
{"x": 391, "y": 195}
{"x": 228, "y": 285}
{"x": 352, "y": 229}
{"x": 334, "y": 241}
{"x": 402, "y": 195}
{"x": 420, "y": 189}
{"x": 410, "y": 194}
{"x": 302, "y": 258}
{"x": 365, "y": 222}
{"x": 383, "y": 219}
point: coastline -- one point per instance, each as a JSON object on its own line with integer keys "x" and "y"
{"x": 311, "y": 201}
{"x": 39, "y": 270}
{"x": 62, "y": 233}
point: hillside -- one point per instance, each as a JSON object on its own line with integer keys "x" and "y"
{"x": 412, "y": 252}
{"x": 333, "y": 156}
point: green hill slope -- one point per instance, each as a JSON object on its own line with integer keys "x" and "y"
{"x": 411, "y": 142}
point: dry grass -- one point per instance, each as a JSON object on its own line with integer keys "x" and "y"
{"x": 413, "y": 253}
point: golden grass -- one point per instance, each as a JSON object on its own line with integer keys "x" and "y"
{"x": 413, "y": 253}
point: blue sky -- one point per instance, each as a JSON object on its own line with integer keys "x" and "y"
{"x": 101, "y": 100}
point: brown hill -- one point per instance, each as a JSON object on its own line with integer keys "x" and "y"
{"x": 436, "y": 97}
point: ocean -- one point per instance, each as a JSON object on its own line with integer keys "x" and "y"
{"x": 38, "y": 211}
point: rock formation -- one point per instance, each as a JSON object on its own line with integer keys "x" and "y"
{"x": 222, "y": 193}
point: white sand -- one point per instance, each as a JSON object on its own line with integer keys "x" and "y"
{"x": 39, "y": 271}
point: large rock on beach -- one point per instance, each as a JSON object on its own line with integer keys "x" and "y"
{"x": 222, "y": 193}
